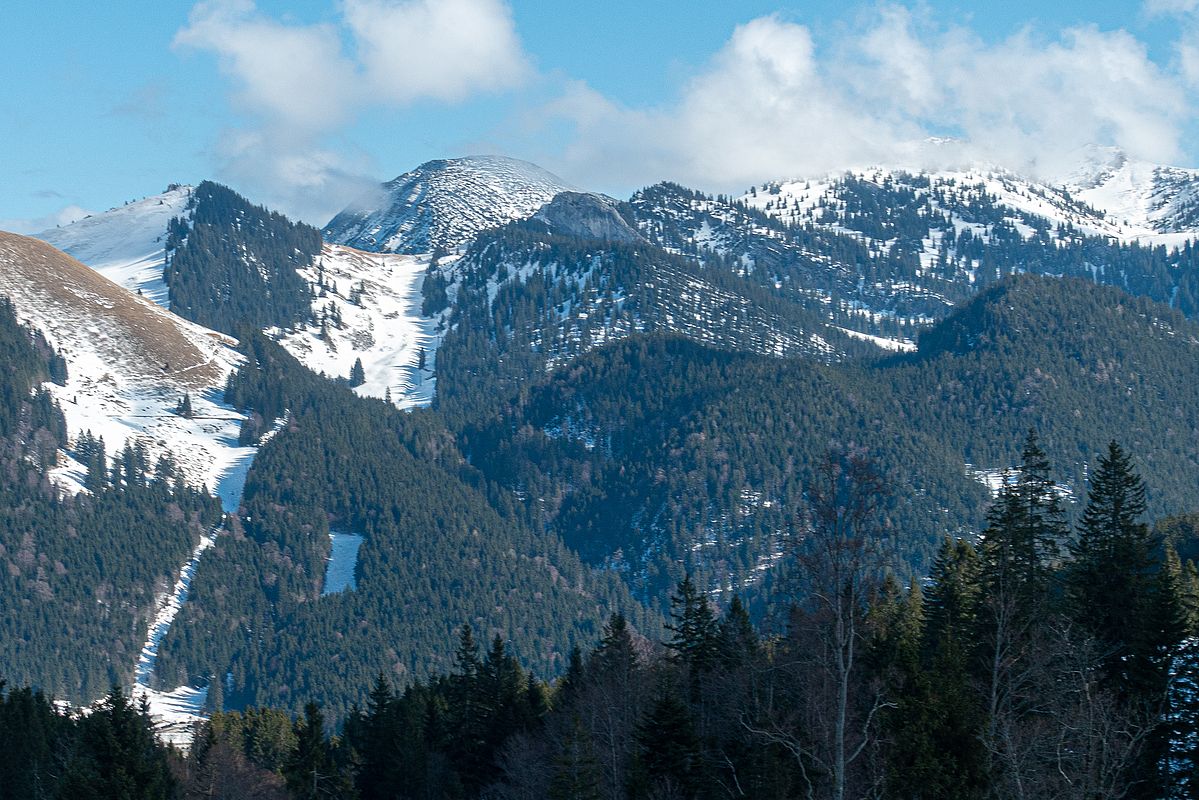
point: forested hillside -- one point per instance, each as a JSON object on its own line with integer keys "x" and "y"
{"x": 1049, "y": 660}
{"x": 886, "y": 253}
{"x": 656, "y": 455}
{"x": 442, "y": 546}
{"x": 232, "y": 263}
{"x": 528, "y": 297}
{"x": 80, "y": 574}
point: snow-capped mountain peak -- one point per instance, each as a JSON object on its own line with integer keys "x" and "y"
{"x": 443, "y": 204}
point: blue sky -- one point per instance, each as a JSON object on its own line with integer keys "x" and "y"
{"x": 301, "y": 104}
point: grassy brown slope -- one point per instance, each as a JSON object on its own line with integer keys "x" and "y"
{"x": 72, "y": 303}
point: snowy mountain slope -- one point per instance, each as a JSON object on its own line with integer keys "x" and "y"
{"x": 443, "y": 204}
{"x": 129, "y": 362}
{"x": 1108, "y": 195}
{"x": 1149, "y": 202}
{"x": 886, "y": 252}
{"x": 823, "y": 202}
{"x": 374, "y": 298}
{"x": 126, "y": 244}
{"x": 368, "y": 307}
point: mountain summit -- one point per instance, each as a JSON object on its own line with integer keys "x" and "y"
{"x": 442, "y": 204}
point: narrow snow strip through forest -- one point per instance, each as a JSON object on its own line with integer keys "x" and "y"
{"x": 176, "y": 712}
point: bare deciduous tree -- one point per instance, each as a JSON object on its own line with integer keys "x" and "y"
{"x": 834, "y": 707}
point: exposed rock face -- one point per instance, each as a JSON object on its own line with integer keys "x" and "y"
{"x": 587, "y": 216}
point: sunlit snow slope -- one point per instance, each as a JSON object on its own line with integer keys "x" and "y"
{"x": 126, "y": 244}
{"x": 129, "y": 362}
{"x": 370, "y": 309}
{"x": 376, "y": 297}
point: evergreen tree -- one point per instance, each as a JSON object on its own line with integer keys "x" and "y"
{"x": 1113, "y": 586}
{"x": 669, "y": 756}
{"x": 696, "y": 633}
{"x": 1130, "y": 603}
{"x": 1025, "y": 528}
{"x": 310, "y": 769}
{"x": 357, "y": 375}
{"x": 737, "y": 642}
{"x": 375, "y": 738}
{"x": 576, "y": 773}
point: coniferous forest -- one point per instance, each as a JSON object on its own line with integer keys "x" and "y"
{"x": 79, "y": 573}
{"x": 223, "y": 281}
{"x": 1050, "y": 660}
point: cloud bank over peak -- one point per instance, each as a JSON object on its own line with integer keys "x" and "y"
{"x": 895, "y": 87}
{"x": 773, "y": 102}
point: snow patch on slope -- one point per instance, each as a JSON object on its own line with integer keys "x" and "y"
{"x": 342, "y": 561}
{"x": 371, "y": 310}
{"x": 896, "y": 345}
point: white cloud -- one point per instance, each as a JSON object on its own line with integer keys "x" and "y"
{"x": 440, "y": 49}
{"x": 289, "y": 73}
{"x": 773, "y": 102}
{"x": 1156, "y": 8}
{"x": 298, "y": 84}
{"x": 64, "y": 216}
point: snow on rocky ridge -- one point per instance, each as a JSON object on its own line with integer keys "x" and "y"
{"x": 1108, "y": 195}
{"x": 444, "y": 204}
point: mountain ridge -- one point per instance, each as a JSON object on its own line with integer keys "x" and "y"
{"x": 442, "y": 204}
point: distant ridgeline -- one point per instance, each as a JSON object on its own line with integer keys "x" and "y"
{"x": 881, "y": 256}
{"x": 235, "y": 263}
{"x": 656, "y": 455}
{"x": 531, "y": 295}
{"x": 442, "y": 546}
{"x": 78, "y": 576}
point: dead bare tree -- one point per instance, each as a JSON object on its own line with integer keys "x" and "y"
{"x": 1070, "y": 738}
{"x": 833, "y": 707}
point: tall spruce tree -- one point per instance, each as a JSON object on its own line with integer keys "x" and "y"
{"x": 1115, "y": 587}
{"x": 1127, "y": 599}
{"x": 696, "y": 633}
